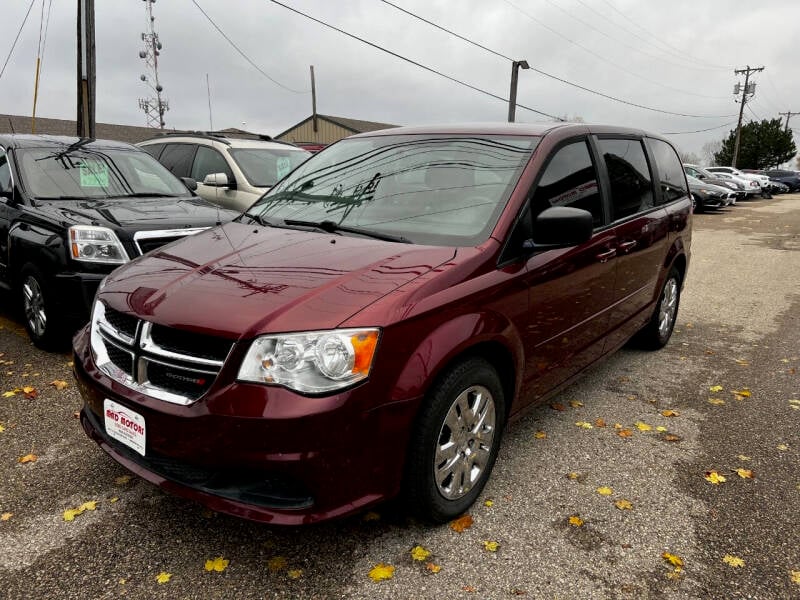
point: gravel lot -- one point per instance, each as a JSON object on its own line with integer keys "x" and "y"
{"x": 738, "y": 328}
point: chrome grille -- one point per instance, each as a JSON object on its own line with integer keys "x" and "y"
{"x": 148, "y": 240}
{"x": 169, "y": 364}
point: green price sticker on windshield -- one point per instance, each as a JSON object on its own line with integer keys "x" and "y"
{"x": 283, "y": 166}
{"x": 94, "y": 174}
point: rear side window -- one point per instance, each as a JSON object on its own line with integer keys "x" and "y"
{"x": 670, "y": 171}
{"x": 629, "y": 175}
{"x": 178, "y": 158}
{"x": 5, "y": 173}
{"x": 570, "y": 179}
{"x": 153, "y": 150}
{"x": 208, "y": 161}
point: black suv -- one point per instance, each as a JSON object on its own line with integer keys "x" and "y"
{"x": 71, "y": 211}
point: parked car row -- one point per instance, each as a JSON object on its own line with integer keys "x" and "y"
{"x": 717, "y": 187}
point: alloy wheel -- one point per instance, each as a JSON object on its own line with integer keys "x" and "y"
{"x": 668, "y": 307}
{"x": 33, "y": 304}
{"x": 465, "y": 441}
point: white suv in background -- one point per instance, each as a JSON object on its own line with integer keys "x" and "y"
{"x": 231, "y": 172}
{"x": 762, "y": 181}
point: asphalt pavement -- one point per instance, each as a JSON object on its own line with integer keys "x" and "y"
{"x": 605, "y": 492}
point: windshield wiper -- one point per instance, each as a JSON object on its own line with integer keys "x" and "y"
{"x": 333, "y": 227}
{"x": 146, "y": 195}
{"x": 258, "y": 219}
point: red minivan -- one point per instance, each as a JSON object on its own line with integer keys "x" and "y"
{"x": 369, "y": 326}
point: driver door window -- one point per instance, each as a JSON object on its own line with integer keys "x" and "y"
{"x": 208, "y": 161}
{"x": 5, "y": 173}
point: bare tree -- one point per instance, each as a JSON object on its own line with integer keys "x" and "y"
{"x": 689, "y": 157}
{"x": 709, "y": 150}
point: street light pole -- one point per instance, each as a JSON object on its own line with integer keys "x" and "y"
{"x": 512, "y": 97}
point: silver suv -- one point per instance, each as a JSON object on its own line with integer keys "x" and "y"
{"x": 231, "y": 172}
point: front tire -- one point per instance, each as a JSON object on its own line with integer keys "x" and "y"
{"x": 657, "y": 332}
{"x": 41, "y": 318}
{"x": 455, "y": 441}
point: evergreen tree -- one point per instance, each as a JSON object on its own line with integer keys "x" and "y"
{"x": 762, "y": 145}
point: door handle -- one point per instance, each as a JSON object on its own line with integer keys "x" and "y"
{"x": 627, "y": 246}
{"x": 604, "y": 256}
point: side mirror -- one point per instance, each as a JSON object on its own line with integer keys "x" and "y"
{"x": 701, "y": 176}
{"x": 219, "y": 180}
{"x": 560, "y": 227}
{"x": 189, "y": 183}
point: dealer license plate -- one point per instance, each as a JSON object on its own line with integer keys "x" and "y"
{"x": 125, "y": 425}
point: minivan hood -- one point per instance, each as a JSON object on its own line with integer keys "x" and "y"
{"x": 238, "y": 281}
{"x": 137, "y": 213}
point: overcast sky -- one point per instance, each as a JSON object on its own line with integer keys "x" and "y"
{"x": 683, "y": 65}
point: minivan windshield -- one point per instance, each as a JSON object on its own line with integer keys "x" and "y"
{"x": 263, "y": 167}
{"x": 444, "y": 190}
{"x": 56, "y": 173}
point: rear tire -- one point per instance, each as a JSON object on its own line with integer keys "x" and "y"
{"x": 39, "y": 312}
{"x": 455, "y": 441}
{"x": 657, "y": 332}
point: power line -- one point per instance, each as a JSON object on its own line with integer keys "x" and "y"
{"x": 410, "y": 61}
{"x": 603, "y": 58}
{"x": 677, "y": 52}
{"x": 612, "y": 38}
{"x": 241, "y": 52}
{"x": 698, "y": 130}
{"x": 10, "y": 52}
{"x": 546, "y": 74}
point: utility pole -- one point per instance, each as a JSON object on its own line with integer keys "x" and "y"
{"x": 313, "y": 104}
{"x": 86, "y": 69}
{"x": 747, "y": 89}
{"x": 512, "y": 96}
{"x": 788, "y": 114}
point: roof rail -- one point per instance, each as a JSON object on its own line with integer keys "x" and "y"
{"x": 201, "y": 134}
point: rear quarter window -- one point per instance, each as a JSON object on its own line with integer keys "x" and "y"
{"x": 672, "y": 178}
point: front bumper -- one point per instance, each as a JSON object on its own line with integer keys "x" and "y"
{"x": 257, "y": 452}
{"x": 75, "y": 293}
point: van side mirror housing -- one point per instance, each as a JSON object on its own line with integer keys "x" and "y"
{"x": 190, "y": 183}
{"x": 560, "y": 227}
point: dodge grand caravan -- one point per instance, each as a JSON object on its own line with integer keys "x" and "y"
{"x": 370, "y": 325}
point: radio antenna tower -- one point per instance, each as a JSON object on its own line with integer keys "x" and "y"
{"x": 153, "y": 107}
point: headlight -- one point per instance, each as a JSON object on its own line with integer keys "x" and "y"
{"x": 315, "y": 362}
{"x": 89, "y": 243}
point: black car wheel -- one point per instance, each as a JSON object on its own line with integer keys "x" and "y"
{"x": 41, "y": 318}
{"x": 455, "y": 441}
{"x": 658, "y": 330}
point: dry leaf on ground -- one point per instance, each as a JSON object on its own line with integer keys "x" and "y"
{"x": 163, "y": 577}
{"x": 432, "y": 567}
{"x": 715, "y": 388}
{"x": 623, "y": 504}
{"x": 733, "y": 561}
{"x": 461, "y": 523}
{"x": 28, "y": 458}
{"x": 672, "y": 559}
{"x": 419, "y": 553}
{"x": 670, "y": 413}
{"x": 575, "y": 521}
{"x": 381, "y": 572}
{"x": 59, "y": 384}
{"x": 294, "y": 573}
{"x": 745, "y": 473}
{"x": 714, "y": 477}
{"x": 584, "y": 424}
{"x": 6, "y": 516}
{"x": 604, "y": 491}
{"x": 491, "y": 546}
{"x": 216, "y": 564}
{"x": 540, "y": 435}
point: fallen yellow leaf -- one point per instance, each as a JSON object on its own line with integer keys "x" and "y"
{"x": 795, "y": 576}
{"x": 59, "y": 384}
{"x": 419, "y": 553}
{"x": 276, "y": 563}
{"x": 491, "y": 546}
{"x": 6, "y": 516}
{"x": 782, "y": 447}
{"x": 661, "y": 429}
{"x": 2, "y": 428}
{"x": 163, "y": 577}
{"x": 461, "y": 523}
{"x": 599, "y": 422}
{"x": 623, "y": 504}
{"x": 573, "y": 475}
{"x": 540, "y": 435}
{"x": 714, "y": 477}
{"x": 584, "y": 424}
{"x": 715, "y": 388}
{"x": 217, "y": 564}
{"x": 743, "y": 392}
{"x": 643, "y": 426}
{"x": 575, "y": 521}
{"x": 575, "y": 403}
{"x": 670, "y": 413}
{"x": 742, "y": 362}
{"x": 91, "y": 505}
{"x": 294, "y": 573}
{"x": 28, "y": 458}
{"x": 9, "y": 393}
{"x": 71, "y": 513}
{"x": 605, "y": 491}
{"x": 381, "y": 571}
{"x": 432, "y": 567}
{"x": 489, "y": 503}
{"x": 113, "y": 499}
{"x": 371, "y": 516}
{"x": 673, "y": 559}
{"x": 733, "y": 561}
{"x": 742, "y": 457}
{"x": 122, "y": 479}
{"x": 745, "y": 473}
{"x": 716, "y": 401}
